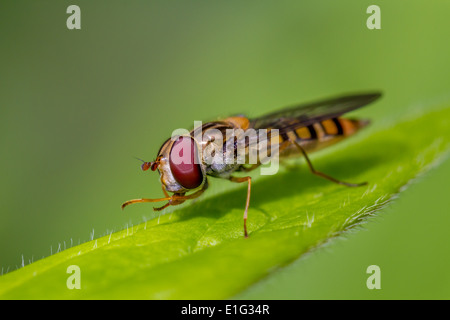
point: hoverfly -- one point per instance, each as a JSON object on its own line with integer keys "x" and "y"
{"x": 301, "y": 129}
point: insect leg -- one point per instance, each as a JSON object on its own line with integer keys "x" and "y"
{"x": 194, "y": 195}
{"x": 179, "y": 198}
{"x": 167, "y": 204}
{"x": 163, "y": 207}
{"x": 323, "y": 175}
{"x": 126, "y": 203}
{"x": 249, "y": 180}
{"x": 164, "y": 190}
{"x": 173, "y": 200}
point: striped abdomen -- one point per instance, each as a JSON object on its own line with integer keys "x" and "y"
{"x": 321, "y": 134}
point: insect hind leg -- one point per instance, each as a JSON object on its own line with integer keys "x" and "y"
{"x": 247, "y": 203}
{"x": 321, "y": 174}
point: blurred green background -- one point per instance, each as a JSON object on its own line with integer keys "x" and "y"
{"x": 78, "y": 105}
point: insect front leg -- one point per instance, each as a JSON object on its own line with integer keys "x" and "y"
{"x": 164, "y": 190}
{"x": 179, "y": 198}
{"x": 249, "y": 181}
{"x": 321, "y": 174}
{"x": 172, "y": 202}
{"x": 168, "y": 203}
{"x": 127, "y": 203}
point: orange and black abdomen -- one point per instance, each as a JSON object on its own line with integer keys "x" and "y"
{"x": 331, "y": 128}
{"x": 322, "y": 133}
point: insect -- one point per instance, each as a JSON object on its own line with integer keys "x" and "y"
{"x": 301, "y": 129}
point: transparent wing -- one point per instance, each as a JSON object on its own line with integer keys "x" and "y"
{"x": 306, "y": 114}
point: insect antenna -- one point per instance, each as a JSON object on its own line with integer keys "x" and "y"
{"x": 139, "y": 159}
{"x": 148, "y": 165}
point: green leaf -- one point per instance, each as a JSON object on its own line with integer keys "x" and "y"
{"x": 198, "y": 251}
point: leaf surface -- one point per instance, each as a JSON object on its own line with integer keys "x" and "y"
{"x": 198, "y": 251}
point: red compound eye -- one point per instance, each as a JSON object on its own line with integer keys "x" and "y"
{"x": 184, "y": 163}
